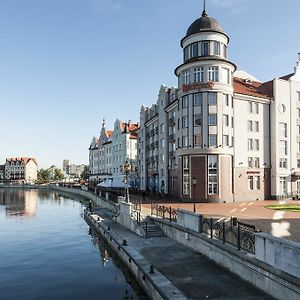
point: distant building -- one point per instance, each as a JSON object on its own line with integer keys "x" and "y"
{"x": 72, "y": 169}
{"x": 111, "y": 150}
{"x": 2, "y": 172}
{"x": 22, "y": 169}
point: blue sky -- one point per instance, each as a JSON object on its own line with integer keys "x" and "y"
{"x": 66, "y": 64}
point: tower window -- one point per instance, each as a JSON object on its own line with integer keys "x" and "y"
{"x": 198, "y": 99}
{"x": 186, "y": 53}
{"x": 204, "y": 48}
{"x": 217, "y": 47}
{"x": 199, "y": 74}
{"x": 194, "y": 50}
{"x": 213, "y": 74}
{"x": 186, "y": 77}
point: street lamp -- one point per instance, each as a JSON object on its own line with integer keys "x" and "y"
{"x": 126, "y": 169}
{"x": 194, "y": 182}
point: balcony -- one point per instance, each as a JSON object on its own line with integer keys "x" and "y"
{"x": 172, "y": 137}
{"x": 172, "y": 121}
{"x": 171, "y": 153}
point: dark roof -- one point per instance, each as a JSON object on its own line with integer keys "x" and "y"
{"x": 205, "y": 23}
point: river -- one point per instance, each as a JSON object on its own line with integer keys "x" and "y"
{"x": 48, "y": 252}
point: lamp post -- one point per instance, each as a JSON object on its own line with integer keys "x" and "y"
{"x": 126, "y": 169}
{"x": 194, "y": 182}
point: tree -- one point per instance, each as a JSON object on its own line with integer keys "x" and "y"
{"x": 43, "y": 176}
{"x": 85, "y": 173}
{"x": 58, "y": 174}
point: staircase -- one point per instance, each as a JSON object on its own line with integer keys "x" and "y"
{"x": 151, "y": 229}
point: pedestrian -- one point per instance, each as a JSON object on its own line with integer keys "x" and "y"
{"x": 90, "y": 206}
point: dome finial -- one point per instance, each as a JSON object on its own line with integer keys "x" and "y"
{"x": 204, "y": 13}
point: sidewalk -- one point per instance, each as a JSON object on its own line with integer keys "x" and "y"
{"x": 193, "y": 274}
{"x": 277, "y": 223}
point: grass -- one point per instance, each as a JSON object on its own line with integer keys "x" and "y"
{"x": 285, "y": 207}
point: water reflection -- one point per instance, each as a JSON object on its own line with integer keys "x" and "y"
{"x": 19, "y": 202}
{"x": 47, "y": 253}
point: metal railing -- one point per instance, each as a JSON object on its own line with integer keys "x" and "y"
{"x": 164, "y": 212}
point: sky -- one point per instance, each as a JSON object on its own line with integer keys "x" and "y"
{"x": 67, "y": 64}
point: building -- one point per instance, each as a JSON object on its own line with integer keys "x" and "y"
{"x": 111, "y": 150}
{"x": 222, "y": 135}
{"x": 21, "y": 169}
{"x": 72, "y": 169}
{"x": 2, "y": 172}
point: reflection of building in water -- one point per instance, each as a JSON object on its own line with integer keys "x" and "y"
{"x": 105, "y": 257}
{"x": 19, "y": 202}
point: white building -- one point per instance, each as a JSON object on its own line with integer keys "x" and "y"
{"x": 109, "y": 153}
{"x": 21, "y": 169}
{"x": 221, "y": 136}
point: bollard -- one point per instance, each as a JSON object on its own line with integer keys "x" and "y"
{"x": 124, "y": 243}
{"x": 108, "y": 228}
{"x": 234, "y": 221}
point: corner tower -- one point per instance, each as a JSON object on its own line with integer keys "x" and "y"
{"x": 205, "y": 113}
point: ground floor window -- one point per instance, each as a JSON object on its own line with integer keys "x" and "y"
{"x": 212, "y": 174}
{"x": 298, "y": 186}
{"x": 282, "y": 185}
{"x": 250, "y": 183}
{"x": 186, "y": 175}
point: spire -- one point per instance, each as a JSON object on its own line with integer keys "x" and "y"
{"x": 103, "y": 123}
{"x": 204, "y": 13}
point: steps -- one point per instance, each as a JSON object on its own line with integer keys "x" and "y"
{"x": 151, "y": 229}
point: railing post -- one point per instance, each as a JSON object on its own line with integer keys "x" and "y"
{"x": 224, "y": 236}
{"x": 170, "y": 213}
{"x": 239, "y": 236}
{"x": 146, "y": 229}
{"x": 211, "y": 227}
{"x": 163, "y": 212}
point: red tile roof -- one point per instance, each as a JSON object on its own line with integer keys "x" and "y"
{"x": 21, "y": 159}
{"x": 253, "y": 88}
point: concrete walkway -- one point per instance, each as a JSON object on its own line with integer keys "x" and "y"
{"x": 193, "y": 274}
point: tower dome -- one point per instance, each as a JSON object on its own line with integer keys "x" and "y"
{"x": 205, "y": 23}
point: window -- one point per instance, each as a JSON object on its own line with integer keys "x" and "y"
{"x": 162, "y": 143}
{"x": 250, "y": 144}
{"x": 298, "y": 112}
{"x": 282, "y": 185}
{"x": 162, "y": 128}
{"x": 212, "y": 140}
{"x": 225, "y": 140}
{"x": 194, "y": 49}
{"x": 282, "y": 148}
{"x": 256, "y": 123}
{"x": 250, "y": 107}
{"x": 185, "y": 141}
{"x": 257, "y": 182}
{"x": 217, "y": 48}
{"x": 250, "y": 162}
{"x": 256, "y": 107}
{"x": 226, "y": 74}
{"x": 197, "y": 140}
{"x": 204, "y": 48}
{"x": 298, "y": 129}
{"x": 298, "y": 96}
{"x": 250, "y": 183}
{"x": 199, "y": 75}
{"x": 250, "y": 125}
{"x": 198, "y": 99}
{"x": 212, "y": 98}
{"x": 186, "y": 77}
{"x": 185, "y": 101}
{"x": 298, "y": 147}
{"x": 256, "y": 162}
{"x": 225, "y": 51}
{"x": 256, "y": 145}
{"x": 197, "y": 119}
{"x": 225, "y": 99}
{"x": 283, "y": 163}
{"x": 186, "y": 53}
{"x": 186, "y": 175}
{"x": 185, "y": 122}
{"x": 225, "y": 120}
{"x": 212, "y": 174}
{"x": 298, "y": 163}
{"x": 212, "y": 119}
{"x": 213, "y": 74}
{"x": 282, "y": 130}
{"x": 162, "y": 158}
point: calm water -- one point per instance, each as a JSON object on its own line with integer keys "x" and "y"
{"x": 47, "y": 251}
